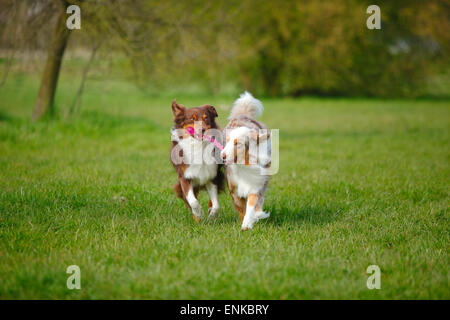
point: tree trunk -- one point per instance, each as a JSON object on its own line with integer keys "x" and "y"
{"x": 45, "y": 98}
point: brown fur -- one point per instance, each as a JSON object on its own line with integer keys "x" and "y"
{"x": 183, "y": 118}
{"x": 239, "y": 203}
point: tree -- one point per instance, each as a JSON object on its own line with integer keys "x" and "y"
{"x": 270, "y": 48}
{"x": 46, "y": 95}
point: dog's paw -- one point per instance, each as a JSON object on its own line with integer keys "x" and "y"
{"x": 248, "y": 223}
{"x": 262, "y": 215}
{"x": 197, "y": 210}
{"x": 247, "y": 226}
{"x": 212, "y": 213}
{"x": 251, "y": 219}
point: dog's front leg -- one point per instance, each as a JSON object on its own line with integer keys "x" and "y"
{"x": 253, "y": 212}
{"x": 260, "y": 214}
{"x": 188, "y": 192}
{"x": 250, "y": 213}
{"x": 213, "y": 207}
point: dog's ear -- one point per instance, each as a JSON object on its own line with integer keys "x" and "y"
{"x": 213, "y": 111}
{"x": 177, "y": 109}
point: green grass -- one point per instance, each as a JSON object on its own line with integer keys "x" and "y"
{"x": 361, "y": 182}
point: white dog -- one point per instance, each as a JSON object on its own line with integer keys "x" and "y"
{"x": 247, "y": 157}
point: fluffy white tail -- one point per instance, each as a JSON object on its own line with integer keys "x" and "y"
{"x": 246, "y": 105}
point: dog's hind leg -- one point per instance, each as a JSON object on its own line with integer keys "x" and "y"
{"x": 239, "y": 204}
{"x": 214, "y": 199}
{"x": 179, "y": 193}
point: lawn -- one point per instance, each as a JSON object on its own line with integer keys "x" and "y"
{"x": 361, "y": 182}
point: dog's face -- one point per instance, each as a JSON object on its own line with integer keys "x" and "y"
{"x": 204, "y": 116}
{"x": 242, "y": 146}
{"x": 237, "y": 142}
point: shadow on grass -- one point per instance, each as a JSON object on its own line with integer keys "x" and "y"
{"x": 317, "y": 215}
{"x": 287, "y": 216}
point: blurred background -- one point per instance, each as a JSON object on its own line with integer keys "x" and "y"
{"x": 271, "y": 48}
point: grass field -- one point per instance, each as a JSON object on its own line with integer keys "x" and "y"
{"x": 361, "y": 182}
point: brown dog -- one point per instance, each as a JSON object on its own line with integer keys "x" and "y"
{"x": 193, "y": 159}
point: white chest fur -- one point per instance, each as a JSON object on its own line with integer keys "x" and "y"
{"x": 202, "y": 164}
{"x": 247, "y": 179}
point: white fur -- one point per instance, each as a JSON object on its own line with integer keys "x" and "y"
{"x": 195, "y": 205}
{"x": 246, "y": 105}
{"x": 247, "y": 179}
{"x": 238, "y": 133}
{"x": 252, "y": 216}
{"x": 213, "y": 195}
{"x": 201, "y": 170}
{"x": 202, "y": 164}
{"x": 263, "y": 154}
